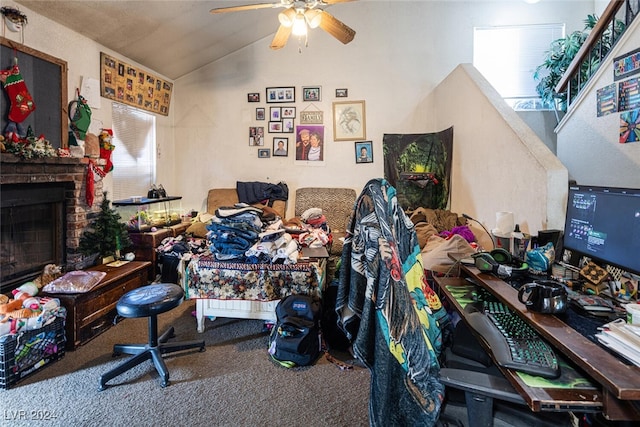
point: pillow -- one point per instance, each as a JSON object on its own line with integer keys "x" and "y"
{"x": 197, "y": 229}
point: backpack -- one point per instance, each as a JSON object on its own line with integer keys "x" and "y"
{"x": 295, "y": 339}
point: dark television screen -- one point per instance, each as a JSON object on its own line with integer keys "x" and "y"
{"x": 604, "y": 224}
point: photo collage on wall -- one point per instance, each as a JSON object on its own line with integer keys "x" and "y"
{"x": 623, "y": 96}
{"x": 130, "y": 85}
{"x": 286, "y": 130}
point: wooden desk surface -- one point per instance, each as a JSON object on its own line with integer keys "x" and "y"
{"x": 620, "y": 382}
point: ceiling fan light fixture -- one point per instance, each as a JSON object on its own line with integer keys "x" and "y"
{"x": 299, "y": 25}
{"x": 313, "y": 16}
{"x": 287, "y": 17}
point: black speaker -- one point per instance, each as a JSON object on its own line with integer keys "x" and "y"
{"x": 553, "y": 236}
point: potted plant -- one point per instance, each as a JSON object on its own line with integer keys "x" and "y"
{"x": 559, "y": 56}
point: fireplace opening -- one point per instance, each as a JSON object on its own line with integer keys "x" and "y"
{"x": 32, "y": 231}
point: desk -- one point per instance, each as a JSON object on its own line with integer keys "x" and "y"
{"x": 618, "y": 383}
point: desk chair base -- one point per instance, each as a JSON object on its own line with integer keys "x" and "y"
{"x": 152, "y": 350}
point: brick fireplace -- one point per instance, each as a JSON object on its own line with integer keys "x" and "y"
{"x": 26, "y": 187}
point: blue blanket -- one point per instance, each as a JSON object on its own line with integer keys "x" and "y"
{"x": 385, "y": 307}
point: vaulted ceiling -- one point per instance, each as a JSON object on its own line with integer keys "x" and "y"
{"x": 172, "y": 38}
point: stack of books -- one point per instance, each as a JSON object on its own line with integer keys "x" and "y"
{"x": 622, "y": 338}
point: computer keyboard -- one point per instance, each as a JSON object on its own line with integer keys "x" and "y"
{"x": 513, "y": 343}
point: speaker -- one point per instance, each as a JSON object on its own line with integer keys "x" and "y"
{"x": 553, "y": 236}
{"x": 501, "y": 262}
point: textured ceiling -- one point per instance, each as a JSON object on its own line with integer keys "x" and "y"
{"x": 172, "y": 38}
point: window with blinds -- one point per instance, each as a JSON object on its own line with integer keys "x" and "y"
{"x": 508, "y": 56}
{"x": 134, "y": 135}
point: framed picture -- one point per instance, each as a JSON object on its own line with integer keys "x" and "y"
{"x": 275, "y": 127}
{"x": 275, "y": 114}
{"x": 256, "y": 135}
{"x": 364, "y": 152}
{"x": 280, "y": 147}
{"x": 342, "y": 93}
{"x": 259, "y": 113}
{"x": 287, "y": 125}
{"x": 310, "y": 143}
{"x": 288, "y": 112}
{"x": 253, "y": 97}
{"x": 311, "y": 93}
{"x": 349, "y": 120}
{"x": 264, "y": 153}
{"x": 281, "y": 94}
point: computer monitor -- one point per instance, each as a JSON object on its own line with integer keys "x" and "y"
{"x": 603, "y": 223}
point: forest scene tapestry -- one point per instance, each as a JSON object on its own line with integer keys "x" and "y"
{"x": 419, "y": 167}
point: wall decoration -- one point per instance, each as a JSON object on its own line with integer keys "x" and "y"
{"x": 287, "y": 125}
{"x": 133, "y": 86}
{"x": 630, "y": 126}
{"x": 275, "y": 114}
{"x": 364, "y": 152}
{"x": 256, "y": 136}
{"x": 342, "y": 93}
{"x": 349, "y": 120}
{"x": 311, "y": 117}
{"x": 629, "y": 94}
{"x": 280, "y": 147}
{"x": 311, "y": 93}
{"x": 253, "y": 97}
{"x": 626, "y": 65}
{"x": 288, "y": 112}
{"x": 259, "y": 113}
{"x": 419, "y": 167}
{"x": 606, "y": 100}
{"x": 264, "y": 153}
{"x": 281, "y": 94}
{"x": 310, "y": 143}
{"x": 275, "y": 127}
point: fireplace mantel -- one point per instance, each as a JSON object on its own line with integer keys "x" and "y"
{"x": 72, "y": 173}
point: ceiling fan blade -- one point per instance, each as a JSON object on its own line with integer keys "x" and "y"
{"x": 336, "y": 28}
{"x": 245, "y": 7}
{"x": 281, "y": 37}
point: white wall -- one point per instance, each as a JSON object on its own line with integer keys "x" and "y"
{"x": 499, "y": 163}
{"x": 589, "y": 145}
{"x": 401, "y": 51}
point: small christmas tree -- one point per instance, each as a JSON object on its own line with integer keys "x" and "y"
{"x": 107, "y": 234}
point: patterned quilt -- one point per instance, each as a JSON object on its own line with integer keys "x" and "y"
{"x": 205, "y": 277}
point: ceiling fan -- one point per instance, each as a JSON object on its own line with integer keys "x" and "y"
{"x": 297, "y": 16}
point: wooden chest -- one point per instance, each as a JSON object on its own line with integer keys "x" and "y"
{"x": 91, "y": 313}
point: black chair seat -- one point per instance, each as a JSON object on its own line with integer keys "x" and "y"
{"x": 149, "y": 301}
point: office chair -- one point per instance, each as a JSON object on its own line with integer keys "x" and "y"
{"x": 393, "y": 320}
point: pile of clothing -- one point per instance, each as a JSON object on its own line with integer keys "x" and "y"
{"x": 311, "y": 229}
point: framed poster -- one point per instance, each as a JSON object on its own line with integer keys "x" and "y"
{"x": 348, "y": 120}
{"x": 133, "y": 86}
{"x": 281, "y": 94}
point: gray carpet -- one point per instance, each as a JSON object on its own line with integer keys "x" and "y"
{"x": 232, "y": 383}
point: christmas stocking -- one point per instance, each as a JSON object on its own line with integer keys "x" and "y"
{"x": 94, "y": 174}
{"x": 21, "y": 101}
{"x": 106, "y": 148}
